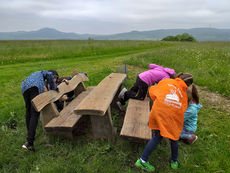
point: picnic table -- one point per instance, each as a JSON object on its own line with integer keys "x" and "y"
{"x": 93, "y": 101}
{"x": 97, "y": 104}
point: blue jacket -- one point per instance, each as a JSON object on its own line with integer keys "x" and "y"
{"x": 37, "y": 79}
{"x": 190, "y": 117}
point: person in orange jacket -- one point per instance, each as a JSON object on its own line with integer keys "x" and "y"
{"x": 167, "y": 116}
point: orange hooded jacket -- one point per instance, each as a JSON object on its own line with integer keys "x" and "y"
{"x": 170, "y": 103}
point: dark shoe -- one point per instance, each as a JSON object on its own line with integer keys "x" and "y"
{"x": 28, "y": 147}
{"x": 191, "y": 140}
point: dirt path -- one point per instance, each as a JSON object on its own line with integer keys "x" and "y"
{"x": 215, "y": 100}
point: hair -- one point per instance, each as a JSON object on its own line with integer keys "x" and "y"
{"x": 55, "y": 73}
{"x": 186, "y": 77}
{"x": 193, "y": 94}
{"x": 178, "y": 74}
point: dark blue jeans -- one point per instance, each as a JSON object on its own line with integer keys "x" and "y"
{"x": 151, "y": 145}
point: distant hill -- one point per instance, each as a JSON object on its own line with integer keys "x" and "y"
{"x": 42, "y": 34}
{"x": 201, "y": 34}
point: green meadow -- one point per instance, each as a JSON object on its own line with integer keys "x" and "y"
{"x": 209, "y": 62}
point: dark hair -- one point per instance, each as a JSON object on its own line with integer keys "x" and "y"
{"x": 178, "y": 74}
{"x": 193, "y": 95}
{"x": 55, "y": 73}
{"x": 186, "y": 77}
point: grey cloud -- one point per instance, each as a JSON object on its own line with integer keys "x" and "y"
{"x": 110, "y": 16}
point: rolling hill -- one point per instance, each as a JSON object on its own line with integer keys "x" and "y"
{"x": 201, "y": 34}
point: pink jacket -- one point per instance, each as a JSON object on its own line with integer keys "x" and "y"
{"x": 156, "y": 74}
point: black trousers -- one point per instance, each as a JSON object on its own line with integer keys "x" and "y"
{"x": 32, "y": 115}
{"x": 138, "y": 91}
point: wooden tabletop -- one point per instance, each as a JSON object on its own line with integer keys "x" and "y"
{"x": 98, "y": 101}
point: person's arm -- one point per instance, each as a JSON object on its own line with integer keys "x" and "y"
{"x": 50, "y": 79}
{"x": 64, "y": 79}
{"x": 152, "y": 66}
{"x": 190, "y": 113}
{"x": 152, "y": 92}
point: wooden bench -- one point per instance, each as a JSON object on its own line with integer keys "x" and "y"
{"x": 135, "y": 125}
{"x": 64, "y": 122}
{"x": 97, "y": 105}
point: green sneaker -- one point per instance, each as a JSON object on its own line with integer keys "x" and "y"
{"x": 146, "y": 166}
{"x": 174, "y": 165}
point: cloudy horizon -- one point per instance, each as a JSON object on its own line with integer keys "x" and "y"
{"x": 110, "y": 17}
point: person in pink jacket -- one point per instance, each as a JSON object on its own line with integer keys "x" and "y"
{"x": 144, "y": 80}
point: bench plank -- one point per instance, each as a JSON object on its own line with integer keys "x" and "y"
{"x": 98, "y": 101}
{"x": 48, "y": 113}
{"x": 40, "y": 101}
{"x": 136, "y": 120}
{"x": 67, "y": 119}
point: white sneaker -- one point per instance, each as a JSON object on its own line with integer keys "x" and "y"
{"x": 120, "y": 106}
{"x": 122, "y": 93}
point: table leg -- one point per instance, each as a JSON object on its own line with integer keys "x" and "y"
{"x": 102, "y": 126}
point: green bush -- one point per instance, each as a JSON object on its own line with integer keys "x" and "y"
{"x": 182, "y": 37}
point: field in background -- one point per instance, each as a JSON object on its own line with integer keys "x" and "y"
{"x": 208, "y": 62}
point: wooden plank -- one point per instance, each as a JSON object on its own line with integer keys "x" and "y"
{"x": 67, "y": 119}
{"x": 48, "y": 113}
{"x": 98, "y": 101}
{"x": 136, "y": 120}
{"x": 45, "y": 98}
{"x": 80, "y": 128}
{"x": 81, "y": 87}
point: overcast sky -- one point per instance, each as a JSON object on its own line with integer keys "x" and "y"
{"x": 112, "y": 16}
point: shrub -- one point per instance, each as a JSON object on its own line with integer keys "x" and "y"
{"x": 182, "y": 37}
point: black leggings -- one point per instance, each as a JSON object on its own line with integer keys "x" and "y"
{"x": 31, "y": 114}
{"x": 138, "y": 91}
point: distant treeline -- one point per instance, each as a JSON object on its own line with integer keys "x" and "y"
{"x": 182, "y": 37}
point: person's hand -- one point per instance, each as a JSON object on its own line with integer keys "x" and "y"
{"x": 64, "y": 98}
{"x": 66, "y": 81}
{"x": 45, "y": 89}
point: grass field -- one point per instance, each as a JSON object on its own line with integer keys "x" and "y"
{"x": 208, "y": 62}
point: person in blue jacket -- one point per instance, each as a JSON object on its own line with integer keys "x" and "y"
{"x": 32, "y": 86}
{"x": 190, "y": 116}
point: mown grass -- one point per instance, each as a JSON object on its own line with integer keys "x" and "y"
{"x": 24, "y": 51}
{"x": 208, "y": 62}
